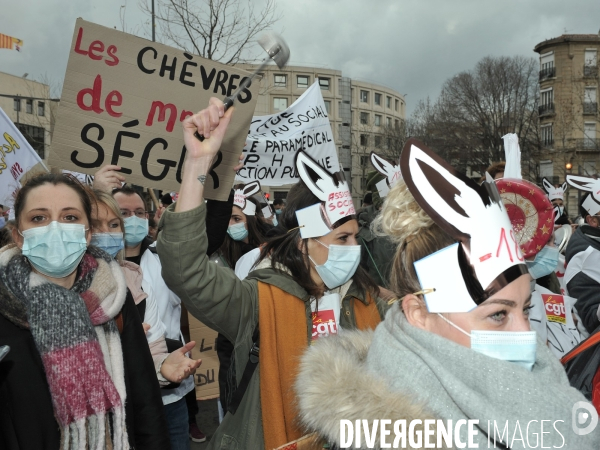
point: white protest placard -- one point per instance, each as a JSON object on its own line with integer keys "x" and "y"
{"x": 123, "y": 102}
{"x": 18, "y": 160}
{"x": 274, "y": 140}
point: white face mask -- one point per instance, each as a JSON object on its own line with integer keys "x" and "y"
{"x": 342, "y": 262}
{"x": 518, "y": 347}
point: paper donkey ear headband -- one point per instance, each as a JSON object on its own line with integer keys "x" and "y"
{"x": 390, "y": 171}
{"x": 591, "y": 203}
{"x": 486, "y": 256}
{"x": 554, "y": 192}
{"x": 332, "y": 191}
{"x": 240, "y": 196}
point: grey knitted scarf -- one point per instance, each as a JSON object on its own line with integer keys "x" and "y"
{"x": 457, "y": 383}
{"x": 77, "y": 340}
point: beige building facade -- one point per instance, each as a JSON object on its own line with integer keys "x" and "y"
{"x": 568, "y": 109}
{"x": 27, "y": 103}
{"x": 360, "y": 112}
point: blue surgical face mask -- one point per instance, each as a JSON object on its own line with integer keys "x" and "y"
{"x": 56, "y": 249}
{"x": 136, "y": 230}
{"x": 340, "y": 266}
{"x": 518, "y": 347}
{"x": 238, "y": 232}
{"x": 278, "y": 211}
{"x": 111, "y": 243}
{"x": 545, "y": 262}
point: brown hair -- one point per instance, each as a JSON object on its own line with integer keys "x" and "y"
{"x": 108, "y": 200}
{"x": 54, "y": 179}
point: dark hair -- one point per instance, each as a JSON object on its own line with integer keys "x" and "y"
{"x": 54, "y": 179}
{"x": 233, "y": 250}
{"x": 278, "y": 201}
{"x": 368, "y": 198}
{"x": 284, "y": 249}
{"x": 128, "y": 191}
{"x": 494, "y": 170}
{"x": 166, "y": 199}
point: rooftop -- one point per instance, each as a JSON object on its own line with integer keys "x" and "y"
{"x": 568, "y": 38}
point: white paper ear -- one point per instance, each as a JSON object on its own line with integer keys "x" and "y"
{"x": 547, "y": 185}
{"x": 471, "y": 213}
{"x": 584, "y": 183}
{"x": 390, "y": 171}
{"x": 564, "y": 187}
{"x": 318, "y": 180}
{"x": 251, "y": 188}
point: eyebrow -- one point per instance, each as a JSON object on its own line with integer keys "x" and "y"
{"x": 68, "y": 208}
{"x": 505, "y": 302}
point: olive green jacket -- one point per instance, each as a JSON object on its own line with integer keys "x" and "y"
{"x": 215, "y": 296}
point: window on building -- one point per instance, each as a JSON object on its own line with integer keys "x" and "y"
{"x": 363, "y": 184}
{"x": 589, "y": 135}
{"x": 547, "y": 137}
{"x": 396, "y": 103}
{"x": 397, "y": 123}
{"x": 547, "y": 69}
{"x": 41, "y": 109}
{"x": 17, "y": 104}
{"x": 364, "y": 161}
{"x": 364, "y": 118}
{"x": 364, "y": 96}
{"x": 547, "y": 171}
{"x": 590, "y": 64}
{"x": 280, "y": 104}
{"x": 388, "y": 122}
{"x": 279, "y": 195}
{"x": 35, "y": 136}
{"x": 302, "y": 81}
{"x": 280, "y": 80}
{"x": 364, "y": 140}
{"x": 327, "y": 106}
{"x": 589, "y": 168}
{"x": 29, "y": 106}
{"x": 377, "y": 99}
{"x": 377, "y": 119}
{"x": 590, "y": 106}
{"x": 339, "y": 130}
{"x": 377, "y": 141}
{"x": 546, "y": 101}
{"x": 324, "y": 83}
{"x": 388, "y": 102}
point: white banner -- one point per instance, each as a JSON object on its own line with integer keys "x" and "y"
{"x": 17, "y": 158}
{"x": 274, "y": 140}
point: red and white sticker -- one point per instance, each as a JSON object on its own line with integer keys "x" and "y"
{"x": 554, "y": 306}
{"x": 323, "y": 324}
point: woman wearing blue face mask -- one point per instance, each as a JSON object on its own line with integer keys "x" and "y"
{"x": 79, "y": 361}
{"x": 303, "y": 289}
{"x": 457, "y": 345}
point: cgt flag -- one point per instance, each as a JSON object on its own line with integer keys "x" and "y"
{"x": 11, "y": 43}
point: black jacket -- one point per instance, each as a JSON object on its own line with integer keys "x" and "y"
{"x": 582, "y": 286}
{"x": 26, "y": 415}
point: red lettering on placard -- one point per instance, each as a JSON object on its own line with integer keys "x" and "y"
{"x": 78, "y": 43}
{"x": 16, "y": 171}
{"x": 517, "y": 250}
{"x": 95, "y": 93}
{"x": 503, "y": 238}
{"x": 185, "y": 114}
{"x": 485, "y": 257}
{"x": 114, "y": 99}
{"x": 96, "y": 50}
{"x": 162, "y": 108}
{"x": 555, "y": 308}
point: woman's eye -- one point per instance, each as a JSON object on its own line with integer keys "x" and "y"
{"x": 499, "y": 316}
{"x": 37, "y": 218}
{"x": 114, "y": 225}
{"x": 71, "y": 218}
{"x": 527, "y": 310}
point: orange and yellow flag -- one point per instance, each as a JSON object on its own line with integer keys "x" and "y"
{"x": 11, "y": 43}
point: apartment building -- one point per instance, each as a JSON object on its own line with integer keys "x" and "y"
{"x": 360, "y": 113}
{"x": 568, "y": 108}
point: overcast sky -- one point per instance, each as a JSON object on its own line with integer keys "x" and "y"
{"x": 412, "y": 46}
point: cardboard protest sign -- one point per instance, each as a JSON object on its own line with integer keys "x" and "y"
{"x": 206, "y": 378}
{"x": 18, "y": 160}
{"x": 274, "y": 140}
{"x": 123, "y": 102}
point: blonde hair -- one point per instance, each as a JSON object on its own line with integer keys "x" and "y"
{"x": 108, "y": 200}
{"x": 415, "y": 233}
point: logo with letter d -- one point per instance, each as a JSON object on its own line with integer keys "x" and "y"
{"x": 582, "y": 413}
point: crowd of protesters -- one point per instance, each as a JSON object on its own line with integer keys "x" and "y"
{"x": 392, "y": 311}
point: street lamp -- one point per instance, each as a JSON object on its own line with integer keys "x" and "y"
{"x": 568, "y": 166}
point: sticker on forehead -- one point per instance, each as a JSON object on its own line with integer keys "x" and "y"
{"x": 331, "y": 189}
{"x": 240, "y": 196}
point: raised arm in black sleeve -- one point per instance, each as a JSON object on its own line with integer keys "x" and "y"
{"x": 146, "y": 423}
{"x": 218, "y": 214}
